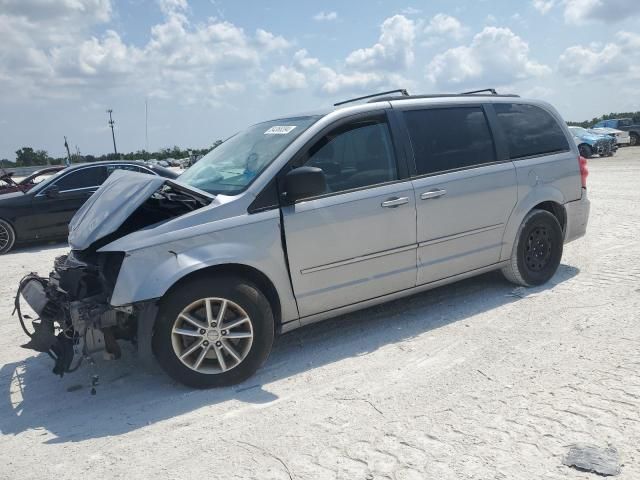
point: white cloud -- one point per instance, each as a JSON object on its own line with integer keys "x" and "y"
{"x": 270, "y": 41}
{"x": 607, "y": 11}
{"x": 445, "y": 25}
{"x": 48, "y": 11}
{"x": 620, "y": 58}
{"x": 544, "y": 6}
{"x": 495, "y": 56}
{"x": 285, "y": 79}
{"x": 325, "y": 17}
{"x": 169, "y": 7}
{"x": 57, "y": 56}
{"x": 394, "y": 49}
{"x": 302, "y": 59}
{"x": 410, "y": 11}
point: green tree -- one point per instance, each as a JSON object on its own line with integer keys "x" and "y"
{"x": 27, "y": 156}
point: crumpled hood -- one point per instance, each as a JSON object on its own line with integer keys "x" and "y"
{"x": 118, "y": 197}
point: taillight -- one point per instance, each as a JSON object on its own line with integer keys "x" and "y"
{"x": 584, "y": 171}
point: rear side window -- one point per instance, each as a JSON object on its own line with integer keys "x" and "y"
{"x": 530, "y": 130}
{"x": 449, "y": 138}
{"x": 83, "y": 178}
{"x": 131, "y": 168}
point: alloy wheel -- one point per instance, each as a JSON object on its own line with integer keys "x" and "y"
{"x": 212, "y": 335}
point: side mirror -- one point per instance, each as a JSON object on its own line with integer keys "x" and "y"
{"x": 53, "y": 191}
{"x": 304, "y": 182}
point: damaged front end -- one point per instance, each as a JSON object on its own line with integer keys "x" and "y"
{"x": 75, "y": 318}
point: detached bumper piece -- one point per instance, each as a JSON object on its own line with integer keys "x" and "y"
{"x": 74, "y": 315}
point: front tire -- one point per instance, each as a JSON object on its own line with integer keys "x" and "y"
{"x": 213, "y": 332}
{"x": 7, "y": 237}
{"x": 585, "y": 150}
{"x": 537, "y": 250}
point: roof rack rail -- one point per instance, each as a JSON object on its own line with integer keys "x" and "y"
{"x": 402, "y": 91}
{"x": 492, "y": 90}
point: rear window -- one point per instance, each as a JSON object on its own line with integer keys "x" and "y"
{"x": 449, "y": 138}
{"x": 530, "y": 130}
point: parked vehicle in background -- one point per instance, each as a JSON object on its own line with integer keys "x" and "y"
{"x": 8, "y": 184}
{"x": 626, "y": 124}
{"x": 303, "y": 218}
{"x": 622, "y": 138}
{"x": 43, "y": 212}
{"x": 590, "y": 144}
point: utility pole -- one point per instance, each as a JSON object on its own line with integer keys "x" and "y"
{"x": 113, "y": 135}
{"x": 146, "y": 124}
{"x": 66, "y": 145}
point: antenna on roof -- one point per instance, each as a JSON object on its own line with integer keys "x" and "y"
{"x": 492, "y": 90}
{"x": 401, "y": 91}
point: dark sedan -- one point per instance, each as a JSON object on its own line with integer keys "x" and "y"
{"x": 9, "y": 185}
{"x": 44, "y": 211}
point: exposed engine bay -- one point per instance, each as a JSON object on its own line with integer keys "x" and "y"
{"x": 75, "y": 318}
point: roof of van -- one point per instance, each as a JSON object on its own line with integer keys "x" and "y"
{"x": 403, "y": 96}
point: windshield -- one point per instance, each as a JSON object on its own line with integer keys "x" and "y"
{"x": 232, "y": 166}
{"x": 578, "y": 131}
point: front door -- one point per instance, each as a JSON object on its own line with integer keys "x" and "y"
{"x": 357, "y": 241}
{"x": 464, "y": 192}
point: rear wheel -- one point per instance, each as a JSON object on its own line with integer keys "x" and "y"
{"x": 537, "y": 250}
{"x": 7, "y": 236}
{"x": 213, "y": 332}
{"x": 634, "y": 140}
{"x": 585, "y": 150}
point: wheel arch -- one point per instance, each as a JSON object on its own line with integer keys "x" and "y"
{"x": 556, "y": 209}
{"x": 544, "y": 197}
{"x": 252, "y": 274}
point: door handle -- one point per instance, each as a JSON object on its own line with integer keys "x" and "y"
{"x": 433, "y": 194}
{"x": 395, "y": 202}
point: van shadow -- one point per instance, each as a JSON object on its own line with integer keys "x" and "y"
{"x": 129, "y": 398}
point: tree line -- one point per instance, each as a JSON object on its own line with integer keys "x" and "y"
{"x": 28, "y": 157}
{"x": 590, "y": 123}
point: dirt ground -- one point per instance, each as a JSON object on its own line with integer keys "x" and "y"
{"x": 476, "y": 380}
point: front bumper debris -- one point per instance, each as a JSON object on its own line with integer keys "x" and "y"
{"x": 75, "y": 319}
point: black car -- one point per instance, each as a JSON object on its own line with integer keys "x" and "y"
{"x": 44, "y": 211}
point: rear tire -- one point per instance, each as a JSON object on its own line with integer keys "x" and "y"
{"x": 585, "y": 150}
{"x": 537, "y": 250}
{"x": 634, "y": 140}
{"x": 243, "y": 348}
{"x": 7, "y": 237}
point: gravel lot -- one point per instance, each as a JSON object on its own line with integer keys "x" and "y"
{"x": 476, "y": 380}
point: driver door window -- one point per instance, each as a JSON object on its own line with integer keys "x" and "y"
{"x": 354, "y": 156}
{"x": 83, "y": 178}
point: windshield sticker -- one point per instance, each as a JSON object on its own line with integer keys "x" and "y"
{"x": 279, "y": 130}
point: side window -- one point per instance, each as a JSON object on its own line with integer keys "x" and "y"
{"x": 449, "y": 138}
{"x": 355, "y": 155}
{"x": 130, "y": 168}
{"x": 82, "y": 178}
{"x": 530, "y": 130}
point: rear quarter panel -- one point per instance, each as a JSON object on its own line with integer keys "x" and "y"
{"x": 544, "y": 178}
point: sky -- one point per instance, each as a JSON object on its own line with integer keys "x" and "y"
{"x": 207, "y": 68}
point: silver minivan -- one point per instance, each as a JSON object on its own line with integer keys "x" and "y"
{"x": 306, "y": 217}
